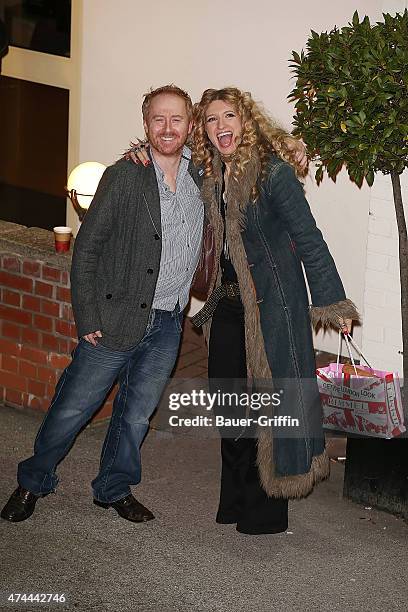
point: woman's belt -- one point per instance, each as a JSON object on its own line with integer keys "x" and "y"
{"x": 229, "y": 290}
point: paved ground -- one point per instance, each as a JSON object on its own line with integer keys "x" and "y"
{"x": 336, "y": 555}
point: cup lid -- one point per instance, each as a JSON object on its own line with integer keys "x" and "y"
{"x": 62, "y": 229}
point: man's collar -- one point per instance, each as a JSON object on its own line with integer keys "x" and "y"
{"x": 185, "y": 154}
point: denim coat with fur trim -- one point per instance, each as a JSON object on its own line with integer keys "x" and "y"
{"x": 268, "y": 240}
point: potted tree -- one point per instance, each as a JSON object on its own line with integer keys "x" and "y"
{"x": 351, "y": 101}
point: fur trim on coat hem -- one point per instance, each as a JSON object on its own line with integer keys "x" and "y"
{"x": 328, "y": 316}
{"x": 289, "y": 487}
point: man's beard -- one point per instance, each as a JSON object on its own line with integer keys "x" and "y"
{"x": 167, "y": 148}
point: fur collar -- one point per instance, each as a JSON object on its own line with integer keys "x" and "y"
{"x": 239, "y": 191}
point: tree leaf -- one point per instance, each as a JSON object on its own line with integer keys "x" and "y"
{"x": 296, "y": 57}
{"x": 370, "y": 177}
{"x": 362, "y": 116}
{"x": 319, "y": 175}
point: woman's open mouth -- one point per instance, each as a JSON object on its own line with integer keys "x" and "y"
{"x": 225, "y": 139}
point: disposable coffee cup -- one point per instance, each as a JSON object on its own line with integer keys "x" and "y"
{"x": 62, "y": 235}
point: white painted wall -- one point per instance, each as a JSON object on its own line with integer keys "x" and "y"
{"x": 382, "y": 333}
{"x": 129, "y": 46}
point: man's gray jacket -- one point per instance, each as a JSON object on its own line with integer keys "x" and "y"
{"x": 116, "y": 257}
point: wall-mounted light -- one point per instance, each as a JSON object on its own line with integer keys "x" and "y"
{"x": 82, "y": 184}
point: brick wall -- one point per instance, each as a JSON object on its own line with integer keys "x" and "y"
{"x": 37, "y": 332}
{"x": 382, "y": 333}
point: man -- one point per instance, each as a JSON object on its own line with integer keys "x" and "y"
{"x": 132, "y": 267}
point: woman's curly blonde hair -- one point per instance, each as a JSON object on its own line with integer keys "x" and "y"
{"x": 259, "y": 132}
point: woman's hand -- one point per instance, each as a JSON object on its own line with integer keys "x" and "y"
{"x": 345, "y": 325}
{"x": 138, "y": 153}
{"x": 299, "y": 149}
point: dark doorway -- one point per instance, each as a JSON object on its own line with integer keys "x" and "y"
{"x": 33, "y": 153}
{"x": 39, "y": 25}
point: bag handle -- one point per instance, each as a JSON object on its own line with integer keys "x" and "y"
{"x": 354, "y": 344}
{"x": 350, "y": 341}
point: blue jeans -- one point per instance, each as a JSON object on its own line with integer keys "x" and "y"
{"x": 142, "y": 373}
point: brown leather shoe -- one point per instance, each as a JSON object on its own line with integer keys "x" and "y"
{"x": 20, "y": 506}
{"x": 128, "y": 508}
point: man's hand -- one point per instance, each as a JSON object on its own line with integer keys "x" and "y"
{"x": 92, "y": 337}
{"x": 299, "y": 149}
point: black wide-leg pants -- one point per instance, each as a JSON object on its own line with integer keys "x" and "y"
{"x": 242, "y": 499}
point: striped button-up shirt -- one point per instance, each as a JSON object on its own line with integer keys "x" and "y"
{"x": 182, "y": 215}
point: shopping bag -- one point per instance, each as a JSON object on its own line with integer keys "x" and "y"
{"x": 360, "y": 399}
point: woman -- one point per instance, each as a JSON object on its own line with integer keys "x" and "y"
{"x": 261, "y": 325}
